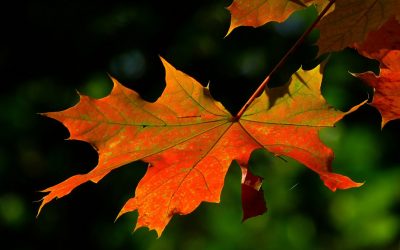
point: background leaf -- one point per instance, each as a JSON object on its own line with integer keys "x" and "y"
{"x": 384, "y": 46}
{"x": 259, "y": 12}
{"x": 351, "y": 21}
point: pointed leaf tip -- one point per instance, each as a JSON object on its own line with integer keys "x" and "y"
{"x": 337, "y": 181}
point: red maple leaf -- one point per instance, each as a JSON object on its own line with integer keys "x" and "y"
{"x": 384, "y": 46}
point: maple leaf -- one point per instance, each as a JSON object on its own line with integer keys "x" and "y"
{"x": 384, "y": 46}
{"x": 189, "y": 141}
{"x": 259, "y": 12}
{"x": 387, "y": 87}
{"x": 352, "y": 20}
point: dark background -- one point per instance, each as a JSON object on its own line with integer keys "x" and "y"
{"x": 50, "y": 50}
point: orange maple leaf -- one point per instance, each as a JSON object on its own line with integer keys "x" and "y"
{"x": 259, "y": 12}
{"x": 384, "y": 46}
{"x": 189, "y": 141}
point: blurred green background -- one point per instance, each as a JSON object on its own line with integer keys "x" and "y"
{"x": 50, "y": 50}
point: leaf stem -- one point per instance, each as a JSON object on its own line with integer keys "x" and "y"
{"x": 295, "y": 46}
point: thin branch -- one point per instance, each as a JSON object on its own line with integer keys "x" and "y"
{"x": 260, "y": 89}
